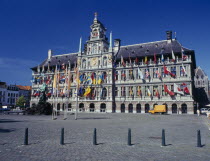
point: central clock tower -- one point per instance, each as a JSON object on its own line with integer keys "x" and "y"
{"x": 97, "y": 42}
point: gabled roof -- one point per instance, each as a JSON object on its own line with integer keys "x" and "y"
{"x": 199, "y": 71}
{"x": 148, "y": 49}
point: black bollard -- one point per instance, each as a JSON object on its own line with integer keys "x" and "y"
{"x": 26, "y": 137}
{"x": 163, "y": 138}
{"x": 129, "y": 137}
{"x": 94, "y": 137}
{"x": 199, "y": 139}
{"x": 62, "y": 137}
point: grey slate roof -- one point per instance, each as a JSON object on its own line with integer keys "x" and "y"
{"x": 63, "y": 59}
{"x": 137, "y": 50}
{"x": 148, "y": 49}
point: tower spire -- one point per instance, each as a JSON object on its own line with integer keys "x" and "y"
{"x": 96, "y": 14}
{"x": 80, "y": 45}
{"x": 110, "y": 41}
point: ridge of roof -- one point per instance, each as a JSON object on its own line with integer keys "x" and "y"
{"x": 64, "y": 54}
{"x": 145, "y": 43}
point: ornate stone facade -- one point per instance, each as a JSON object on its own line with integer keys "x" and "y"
{"x": 130, "y": 79}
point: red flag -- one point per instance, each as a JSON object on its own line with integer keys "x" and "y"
{"x": 158, "y": 74}
{"x": 147, "y": 74}
{"x": 186, "y": 90}
{"x": 168, "y": 91}
{"x": 155, "y": 58}
{"x": 166, "y": 70}
{"x": 122, "y": 61}
{"x": 136, "y": 61}
{"x": 157, "y": 94}
{"x": 172, "y": 74}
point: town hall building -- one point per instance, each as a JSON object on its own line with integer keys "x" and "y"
{"x": 108, "y": 77}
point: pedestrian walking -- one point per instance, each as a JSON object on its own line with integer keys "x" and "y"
{"x": 198, "y": 112}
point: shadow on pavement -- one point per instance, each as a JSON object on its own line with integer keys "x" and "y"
{"x": 6, "y": 130}
{"x": 8, "y": 121}
{"x": 93, "y": 118}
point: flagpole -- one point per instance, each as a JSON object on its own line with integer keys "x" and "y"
{"x": 77, "y": 81}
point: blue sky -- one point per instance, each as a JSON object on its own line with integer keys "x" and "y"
{"x": 28, "y": 28}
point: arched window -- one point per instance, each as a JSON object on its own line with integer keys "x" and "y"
{"x": 104, "y": 93}
{"x": 174, "y": 108}
{"x": 202, "y": 77}
{"x": 122, "y": 108}
{"x": 105, "y": 61}
{"x": 81, "y": 107}
{"x": 130, "y": 108}
{"x": 69, "y": 107}
{"x": 197, "y": 76}
{"x": 147, "y": 108}
{"x": 92, "y": 107}
{"x": 138, "y": 108}
{"x": 154, "y": 105}
{"x": 184, "y": 108}
{"x": 103, "y": 107}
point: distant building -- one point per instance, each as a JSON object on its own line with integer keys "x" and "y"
{"x": 9, "y": 94}
{"x": 12, "y": 94}
{"x": 201, "y": 87}
{"x": 121, "y": 79}
{"x": 26, "y": 92}
{"x": 3, "y": 92}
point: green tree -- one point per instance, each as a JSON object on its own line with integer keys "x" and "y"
{"x": 21, "y": 101}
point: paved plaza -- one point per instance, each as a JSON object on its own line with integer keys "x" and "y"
{"x": 112, "y": 131}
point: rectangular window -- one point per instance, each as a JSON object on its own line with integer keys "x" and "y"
{"x": 146, "y": 90}
{"x": 172, "y": 88}
{"x": 8, "y": 94}
{"x": 131, "y": 76}
{"x": 147, "y": 74}
{"x": 155, "y": 88}
{"x": 123, "y": 92}
{"x": 173, "y": 70}
{"x": 163, "y": 91}
{"x": 116, "y": 91}
{"x": 123, "y": 75}
{"x": 155, "y": 73}
{"x": 183, "y": 71}
{"x": 116, "y": 75}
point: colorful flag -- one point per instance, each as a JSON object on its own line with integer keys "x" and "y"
{"x": 184, "y": 57}
{"x": 166, "y": 71}
{"x": 158, "y": 74}
{"x": 136, "y": 61}
{"x": 122, "y": 61}
{"x": 139, "y": 91}
{"x": 157, "y": 94}
{"x": 87, "y": 91}
{"x": 140, "y": 74}
{"x": 168, "y": 91}
{"x": 145, "y": 60}
{"x": 147, "y": 74}
{"x": 155, "y": 58}
{"x": 148, "y": 92}
{"x": 173, "y": 56}
{"x": 185, "y": 89}
{"x": 183, "y": 69}
{"x": 177, "y": 89}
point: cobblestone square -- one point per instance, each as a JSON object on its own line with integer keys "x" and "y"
{"x": 112, "y": 131}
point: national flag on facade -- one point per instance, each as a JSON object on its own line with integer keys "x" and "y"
{"x": 166, "y": 71}
{"x": 183, "y": 69}
{"x": 185, "y": 89}
{"x": 158, "y": 74}
{"x": 177, "y": 89}
{"x": 184, "y": 57}
{"x": 168, "y": 91}
{"x": 136, "y": 61}
{"x": 157, "y": 94}
{"x": 173, "y": 56}
{"x": 87, "y": 91}
{"x": 145, "y": 60}
{"x": 140, "y": 74}
{"x": 147, "y": 74}
{"x": 122, "y": 61}
{"x": 139, "y": 91}
{"x": 148, "y": 92}
{"x": 155, "y": 58}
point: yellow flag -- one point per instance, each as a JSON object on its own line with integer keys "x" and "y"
{"x": 145, "y": 61}
{"x": 87, "y": 91}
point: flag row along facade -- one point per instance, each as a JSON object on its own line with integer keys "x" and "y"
{"x": 121, "y": 79}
